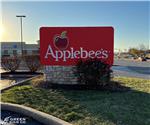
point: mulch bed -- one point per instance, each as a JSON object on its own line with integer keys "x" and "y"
{"x": 19, "y": 74}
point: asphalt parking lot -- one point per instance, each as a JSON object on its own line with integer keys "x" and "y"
{"x": 131, "y": 68}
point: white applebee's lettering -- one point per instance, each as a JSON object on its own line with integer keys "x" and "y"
{"x": 49, "y": 52}
{"x": 71, "y": 54}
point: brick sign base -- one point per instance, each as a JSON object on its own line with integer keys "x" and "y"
{"x": 60, "y": 74}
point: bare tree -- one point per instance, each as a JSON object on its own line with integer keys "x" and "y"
{"x": 33, "y": 62}
{"x": 10, "y": 63}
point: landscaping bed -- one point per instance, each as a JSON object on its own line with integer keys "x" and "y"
{"x": 88, "y": 107}
{"x": 19, "y": 74}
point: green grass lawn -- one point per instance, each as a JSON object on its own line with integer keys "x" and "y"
{"x": 89, "y": 107}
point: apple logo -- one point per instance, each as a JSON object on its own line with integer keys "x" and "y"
{"x": 61, "y": 41}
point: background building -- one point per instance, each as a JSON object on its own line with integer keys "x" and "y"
{"x": 14, "y": 49}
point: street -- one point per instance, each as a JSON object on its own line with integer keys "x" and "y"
{"x": 131, "y": 68}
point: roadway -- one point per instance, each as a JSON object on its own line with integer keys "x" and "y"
{"x": 132, "y": 68}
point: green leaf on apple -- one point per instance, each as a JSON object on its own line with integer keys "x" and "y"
{"x": 64, "y": 34}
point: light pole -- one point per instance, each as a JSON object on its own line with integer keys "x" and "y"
{"x": 21, "y": 16}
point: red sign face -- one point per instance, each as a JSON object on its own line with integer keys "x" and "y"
{"x": 66, "y": 45}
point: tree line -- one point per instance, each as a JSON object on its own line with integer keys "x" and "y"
{"x": 140, "y": 51}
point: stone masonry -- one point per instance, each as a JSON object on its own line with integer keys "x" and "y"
{"x": 60, "y": 74}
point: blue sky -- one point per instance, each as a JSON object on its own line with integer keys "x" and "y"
{"x": 129, "y": 19}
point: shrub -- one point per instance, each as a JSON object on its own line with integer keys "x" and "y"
{"x": 10, "y": 63}
{"x": 93, "y": 72}
{"x": 32, "y": 62}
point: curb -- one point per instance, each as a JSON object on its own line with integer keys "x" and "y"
{"x": 41, "y": 117}
{"x": 18, "y": 83}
